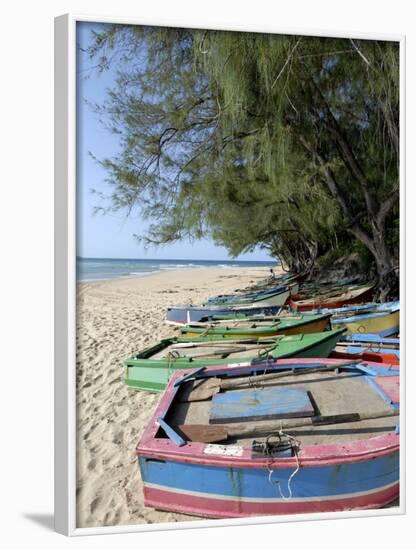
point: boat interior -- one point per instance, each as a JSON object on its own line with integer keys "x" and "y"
{"x": 344, "y": 293}
{"x": 217, "y": 350}
{"x": 255, "y": 409}
{"x": 248, "y": 323}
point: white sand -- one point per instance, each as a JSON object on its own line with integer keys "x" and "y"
{"x": 116, "y": 319}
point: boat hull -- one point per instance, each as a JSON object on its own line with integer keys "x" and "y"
{"x": 305, "y": 327}
{"x": 383, "y": 324}
{"x": 231, "y": 491}
{"x": 273, "y": 300}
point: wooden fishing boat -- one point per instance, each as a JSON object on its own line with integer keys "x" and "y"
{"x": 311, "y": 435}
{"x": 270, "y": 296}
{"x": 151, "y": 368}
{"x": 181, "y": 315}
{"x": 285, "y": 278}
{"x": 382, "y": 320}
{"x": 366, "y": 344}
{"x": 266, "y": 285}
{"x": 322, "y": 290}
{"x": 243, "y": 293}
{"x": 299, "y": 324}
{"x": 373, "y": 349}
{"x": 346, "y": 281}
{"x": 353, "y": 309}
{"x": 351, "y": 295}
{"x": 276, "y": 297}
{"x": 374, "y": 339}
{"x": 236, "y": 317}
{"x": 364, "y": 354}
{"x": 368, "y": 348}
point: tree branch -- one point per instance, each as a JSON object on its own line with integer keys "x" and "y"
{"x": 387, "y": 205}
{"x": 347, "y": 153}
{"x": 353, "y": 224}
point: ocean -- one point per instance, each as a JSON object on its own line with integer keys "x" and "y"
{"x": 96, "y": 269}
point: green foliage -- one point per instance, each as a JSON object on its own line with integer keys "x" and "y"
{"x": 365, "y": 260}
{"x": 286, "y": 142}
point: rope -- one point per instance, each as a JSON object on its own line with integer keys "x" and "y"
{"x": 266, "y": 355}
{"x": 171, "y": 356}
{"x": 295, "y": 444}
{"x": 207, "y": 331}
{"x": 266, "y": 358}
{"x": 252, "y": 382}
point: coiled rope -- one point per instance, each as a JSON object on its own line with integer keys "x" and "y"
{"x": 294, "y": 445}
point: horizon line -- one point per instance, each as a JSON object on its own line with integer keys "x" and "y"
{"x": 173, "y": 259}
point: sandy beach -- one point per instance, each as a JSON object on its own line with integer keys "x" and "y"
{"x": 117, "y": 318}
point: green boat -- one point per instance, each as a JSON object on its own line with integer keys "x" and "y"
{"x": 152, "y": 368}
{"x": 296, "y": 324}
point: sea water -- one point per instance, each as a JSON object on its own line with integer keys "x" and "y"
{"x": 96, "y": 269}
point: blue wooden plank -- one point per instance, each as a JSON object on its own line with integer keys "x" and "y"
{"x": 188, "y": 376}
{"x": 382, "y": 393}
{"x": 369, "y": 337}
{"x": 379, "y": 371}
{"x": 260, "y": 404}
{"x": 389, "y": 331}
{"x": 170, "y": 432}
{"x": 368, "y": 370}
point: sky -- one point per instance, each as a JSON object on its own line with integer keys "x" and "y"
{"x": 111, "y": 235}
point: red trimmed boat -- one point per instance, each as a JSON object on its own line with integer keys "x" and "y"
{"x": 366, "y": 355}
{"x": 351, "y": 295}
{"x": 297, "y": 436}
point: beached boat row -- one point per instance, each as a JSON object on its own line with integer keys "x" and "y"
{"x": 278, "y": 399}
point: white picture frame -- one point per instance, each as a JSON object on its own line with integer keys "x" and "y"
{"x": 65, "y": 283}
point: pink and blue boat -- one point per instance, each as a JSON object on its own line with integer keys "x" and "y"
{"x": 296, "y": 436}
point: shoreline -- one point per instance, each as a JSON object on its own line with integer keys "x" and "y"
{"x": 276, "y": 268}
{"x": 115, "y": 319}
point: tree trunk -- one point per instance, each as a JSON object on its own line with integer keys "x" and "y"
{"x": 375, "y": 241}
{"x": 387, "y": 278}
{"x": 298, "y": 252}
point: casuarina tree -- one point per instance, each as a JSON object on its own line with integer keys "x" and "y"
{"x": 287, "y": 142}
